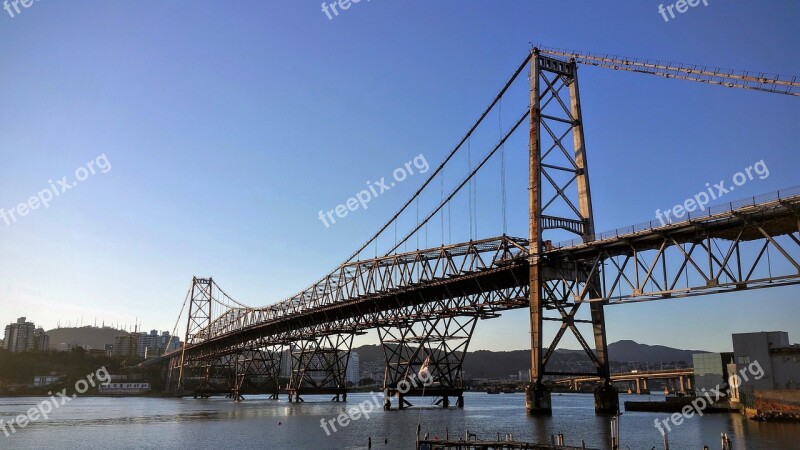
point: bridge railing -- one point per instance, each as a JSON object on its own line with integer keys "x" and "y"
{"x": 708, "y": 213}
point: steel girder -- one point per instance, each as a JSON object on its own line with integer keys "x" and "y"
{"x": 749, "y": 248}
{"x": 711, "y": 250}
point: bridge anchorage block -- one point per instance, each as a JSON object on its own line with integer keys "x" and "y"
{"x": 606, "y": 400}
{"x": 537, "y": 399}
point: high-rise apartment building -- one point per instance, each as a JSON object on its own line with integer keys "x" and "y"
{"x": 19, "y": 337}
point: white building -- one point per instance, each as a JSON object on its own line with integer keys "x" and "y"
{"x": 18, "y": 336}
{"x": 354, "y": 368}
{"x": 286, "y": 364}
{"x": 779, "y": 361}
{"x": 154, "y": 344}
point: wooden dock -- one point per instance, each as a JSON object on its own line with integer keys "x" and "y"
{"x": 470, "y": 441}
{"x": 490, "y": 445}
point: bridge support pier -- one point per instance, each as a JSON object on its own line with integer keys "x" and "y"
{"x": 641, "y": 386}
{"x": 257, "y": 371}
{"x": 442, "y": 396}
{"x": 319, "y": 366}
{"x": 606, "y": 400}
{"x": 537, "y": 400}
{"x": 438, "y": 345}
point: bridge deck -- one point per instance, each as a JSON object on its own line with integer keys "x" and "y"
{"x": 358, "y": 295}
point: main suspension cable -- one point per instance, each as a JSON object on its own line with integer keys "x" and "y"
{"x": 463, "y": 182}
{"x": 502, "y": 92}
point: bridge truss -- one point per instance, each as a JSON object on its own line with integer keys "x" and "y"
{"x": 425, "y": 304}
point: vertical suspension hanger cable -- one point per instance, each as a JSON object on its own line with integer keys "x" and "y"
{"x": 417, "y": 205}
{"x": 475, "y": 205}
{"x": 449, "y": 222}
{"x": 465, "y": 181}
{"x": 502, "y": 168}
{"x": 441, "y": 199}
{"x": 453, "y": 152}
{"x": 469, "y": 164}
{"x": 426, "y": 233}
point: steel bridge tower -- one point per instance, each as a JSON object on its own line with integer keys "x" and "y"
{"x": 555, "y": 114}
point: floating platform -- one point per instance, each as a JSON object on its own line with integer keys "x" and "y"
{"x": 674, "y": 405}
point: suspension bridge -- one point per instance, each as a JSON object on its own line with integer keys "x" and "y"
{"x": 425, "y": 303}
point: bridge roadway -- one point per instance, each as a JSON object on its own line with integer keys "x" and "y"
{"x": 482, "y": 278}
{"x": 638, "y": 376}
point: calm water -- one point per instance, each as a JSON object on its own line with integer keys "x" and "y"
{"x": 149, "y": 423}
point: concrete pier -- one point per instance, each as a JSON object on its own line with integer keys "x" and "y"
{"x": 606, "y": 400}
{"x": 537, "y": 400}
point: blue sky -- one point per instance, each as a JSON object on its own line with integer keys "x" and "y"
{"x": 228, "y": 126}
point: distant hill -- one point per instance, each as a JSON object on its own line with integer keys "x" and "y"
{"x": 370, "y": 353}
{"x": 92, "y": 337}
{"x": 627, "y": 350}
{"x": 490, "y": 364}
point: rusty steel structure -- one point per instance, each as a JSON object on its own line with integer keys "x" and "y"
{"x": 425, "y": 304}
{"x": 555, "y": 101}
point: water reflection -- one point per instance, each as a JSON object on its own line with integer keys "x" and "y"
{"x": 263, "y": 423}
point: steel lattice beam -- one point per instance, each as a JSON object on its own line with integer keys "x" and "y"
{"x": 752, "y": 246}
